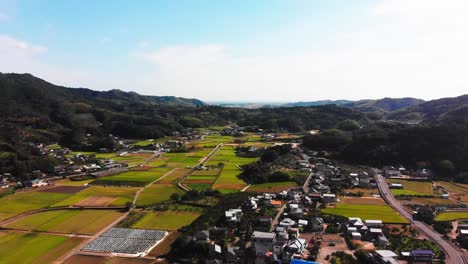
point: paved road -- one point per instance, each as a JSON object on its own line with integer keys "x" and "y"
{"x": 452, "y": 254}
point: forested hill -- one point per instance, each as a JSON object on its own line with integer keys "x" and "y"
{"x": 443, "y": 110}
{"x": 39, "y": 111}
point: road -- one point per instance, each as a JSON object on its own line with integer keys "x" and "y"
{"x": 452, "y": 254}
{"x": 278, "y": 215}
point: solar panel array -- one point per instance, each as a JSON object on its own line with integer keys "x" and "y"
{"x": 125, "y": 240}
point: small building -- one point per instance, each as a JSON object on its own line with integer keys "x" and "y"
{"x": 262, "y": 242}
{"x": 356, "y": 236}
{"x": 233, "y": 215}
{"x": 445, "y": 196}
{"x": 373, "y": 223}
{"x": 422, "y": 255}
{"x": 396, "y": 186}
{"x": 316, "y": 224}
{"x": 329, "y": 197}
{"x": 385, "y": 257}
{"x": 275, "y": 203}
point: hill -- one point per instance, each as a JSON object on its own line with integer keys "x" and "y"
{"x": 380, "y": 107}
{"x": 435, "y": 111}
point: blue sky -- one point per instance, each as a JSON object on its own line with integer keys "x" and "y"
{"x": 271, "y": 50}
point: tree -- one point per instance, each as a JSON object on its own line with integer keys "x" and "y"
{"x": 175, "y": 197}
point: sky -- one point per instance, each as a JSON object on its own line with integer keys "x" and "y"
{"x": 256, "y": 51}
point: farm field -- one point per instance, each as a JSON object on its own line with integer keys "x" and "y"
{"x": 166, "y": 220}
{"x": 428, "y": 201}
{"x": 271, "y": 187}
{"x": 164, "y": 247}
{"x": 366, "y": 212}
{"x": 174, "y": 176}
{"x": 363, "y": 200}
{"x": 21, "y": 202}
{"x": 98, "y": 155}
{"x": 156, "y": 193}
{"x": 228, "y": 179}
{"x": 459, "y": 190}
{"x": 211, "y": 141}
{"x": 85, "y": 259}
{"x": 133, "y": 177}
{"x": 365, "y": 191}
{"x": 412, "y": 187}
{"x": 34, "y": 248}
{"x": 87, "y": 222}
{"x": 199, "y": 186}
{"x": 122, "y": 195}
{"x": 450, "y": 216}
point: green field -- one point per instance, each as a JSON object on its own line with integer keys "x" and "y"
{"x": 21, "y": 202}
{"x": 133, "y": 178}
{"x": 166, "y": 220}
{"x": 156, "y": 193}
{"x": 366, "y": 212}
{"x": 87, "y": 222}
{"x": 450, "y": 216}
{"x": 271, "y": 186}
{"x": 98, "y": 155}
{"x": 213, "y": 140}
{"x": 457, "y": 188}
{"x": 412, "y": 187}
{"x": 34, "y": 248}
{"x": 199, "y": 186}
{"x": 228, "y": 178}
{"x": 123, "y": 195}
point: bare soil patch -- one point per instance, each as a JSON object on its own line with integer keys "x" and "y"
{"x": 64, "y": 189}
{"x": 363, "y": 200}
{"x": 340, "y": 245}
{"x": 229, "y": 186}
{"x": 96, "y": 201}
{"x": 164, "y": 247}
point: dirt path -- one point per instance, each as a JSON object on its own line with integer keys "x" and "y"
{"x": 278, "y": 215}
{"x": 205, "y": 159}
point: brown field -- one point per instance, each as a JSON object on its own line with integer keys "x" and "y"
{"x": 141, "y": 168}
{"x": 198, "y": 181}
{"x": 367, "y": 192}
{"x": 64, "y": 189}
{"x": 210, "y": 172}
{"x": 174, "y": 176}
{"x": 428, "y": 201}
{"x": 274, "y": 189}
{"x": 84, "y": 259}
{"x": 96, "y": 201}
{"x": 363, "y": 200}
{"x": 164, "y": 247}
{"x": 138, "y": 155}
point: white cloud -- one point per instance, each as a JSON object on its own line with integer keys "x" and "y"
{"x": 22, "y": 57}
{"x": 411, "y": 48}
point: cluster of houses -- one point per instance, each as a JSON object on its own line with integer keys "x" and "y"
{"x": 399, "y": 171}
{"x": 370, "y": 230}
{"x": 462, "y": 235}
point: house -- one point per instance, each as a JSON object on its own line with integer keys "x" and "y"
{"x": 296, "y": 246}
{"x": 275, "y": 203}
{"x": 329, "y": 197}
{"x": 355, "y": 222}
{"x": 265, "y": 220}
{"x": 373, "y": 223}
{"x": 203, "y": 235}
{"x": 391, "y": 172}
{"x": 385, "y": 257}
{"x": 316, "y": 224}
{"x": 356, "y": 236}
{"x": 396, "y": 186}
{"x": 215, "y": 251}
{"x": 445, "y": 196}
{"x": 262, "y": 242}
{"x": 422, "y": 255}
{"x": 287, "y": 222}
{"x": 302, "y": 223}
{"x": 233, "y": 215}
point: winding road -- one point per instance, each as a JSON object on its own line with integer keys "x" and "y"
{"x": 452, "y": 254}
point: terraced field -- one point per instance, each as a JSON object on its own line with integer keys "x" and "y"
{"x": 228, "y": 180}
{"x": 133, "y": 177}
{"x": 34, "y": 248}
{"x": 412, "y": 187}
{"x": 271, "y": 187}
{"x": 22, "y": 202}
{"x": 157, "y": 193}
{"x": 121, "y": 195}
{"x": 87, "y": 222}
{"x": 166, "y": 220}
{"x": 366, "y": 212}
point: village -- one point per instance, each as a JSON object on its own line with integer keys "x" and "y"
{"x": 156, "y": 193}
